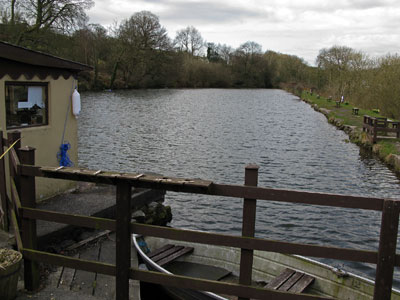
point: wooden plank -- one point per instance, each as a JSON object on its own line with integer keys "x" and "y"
{"x": 123, "y": 235}
{"x": 85, "y": 281}
{"x": 210, "y": 188}
{"x": 254, "y": 243}
{"x": 291, "y": 282}
{"x": 302, "y": 284}
{"x": 70, "y": 219}
{"x": 291, "y": 196}
{"x": 88, "y": 240}
{"x": 218, "y": 287}
{"x": 175, "y": 255}
{"x": 11, "y": 138}
{"x": 166, "y": 253}
{"x": 17, "y": 234}
{"x": 3, "y": 192}
{"x": 160, "y": 250}
{"x": 387, "y": 250}
{"x": 105, "y": 284}
{"x": 66, "y": 261}
{"x": 67, "y": 276}
{"x": 14, "y": 160}
{"x": 16, "y": 200}
{"x": 280, "y": 279}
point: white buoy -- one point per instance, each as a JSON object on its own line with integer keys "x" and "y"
{"x": 76, "y": 103}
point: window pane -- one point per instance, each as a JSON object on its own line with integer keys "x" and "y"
{"x": 26, "y": 105}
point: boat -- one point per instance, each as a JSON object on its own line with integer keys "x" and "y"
{"x": 327, "y": 281}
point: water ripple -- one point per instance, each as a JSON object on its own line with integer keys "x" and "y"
{"x": 214, "y": 133}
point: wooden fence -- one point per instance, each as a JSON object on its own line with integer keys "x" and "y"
{"x": 22, "y": 207}
{"x": 373, "y": 126}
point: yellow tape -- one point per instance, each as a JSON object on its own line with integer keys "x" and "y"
{"x": 9, "y": 148}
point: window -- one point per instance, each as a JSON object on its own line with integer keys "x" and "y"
{"x": 26, "y": 104}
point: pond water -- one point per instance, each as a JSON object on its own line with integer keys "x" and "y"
{"x": 213, "y": 133}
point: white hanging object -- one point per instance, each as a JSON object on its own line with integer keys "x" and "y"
{"x": 76, "y": 103}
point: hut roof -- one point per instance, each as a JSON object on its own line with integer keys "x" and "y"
{"x": 18, "y": 60}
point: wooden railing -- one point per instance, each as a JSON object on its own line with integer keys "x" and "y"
{"x": 385, "y": 258}
{"x": 373, "y": 126}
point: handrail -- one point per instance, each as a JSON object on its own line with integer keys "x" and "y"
{"x": 386, "y": 257}
{"x": 196, "y": 186}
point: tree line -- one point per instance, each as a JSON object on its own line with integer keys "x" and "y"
{"x": 138, "y": 53}
{"x": 363, "y": 81}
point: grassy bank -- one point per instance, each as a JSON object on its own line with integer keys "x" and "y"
{"x": 388, "y": 150}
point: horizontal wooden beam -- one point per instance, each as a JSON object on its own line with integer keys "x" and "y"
{"x": 217, "y": 287}
{"x": 70, "y": 219}
{"x": 255, "y": 243}
{"x": 70, "y": 262}
{"x": 207, "y": 187}
{"x": 208, "y": 238}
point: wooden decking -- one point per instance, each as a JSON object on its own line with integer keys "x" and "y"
{"x": 89, "y": 283}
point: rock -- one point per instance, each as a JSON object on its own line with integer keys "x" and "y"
{"x": 139, "y": 216}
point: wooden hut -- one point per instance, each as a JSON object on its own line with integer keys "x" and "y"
{"x": 35, "y": 99}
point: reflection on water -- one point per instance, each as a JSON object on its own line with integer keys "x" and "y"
{"x": 213, "y": 133}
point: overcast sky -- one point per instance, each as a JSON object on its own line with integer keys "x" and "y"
{"x": 298, "y": 27}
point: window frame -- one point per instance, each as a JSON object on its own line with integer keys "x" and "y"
{"x": 27, "y": 84}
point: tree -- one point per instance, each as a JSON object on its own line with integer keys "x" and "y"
{"x": 30, "y": 20}
{"x": 145, "y": 44}
{"x": 246, "y": 62}
{"x": 189, "y": 40}
{"x": 61, "y": 15}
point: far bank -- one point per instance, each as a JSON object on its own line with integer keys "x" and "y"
{"x": 343, "y": 116}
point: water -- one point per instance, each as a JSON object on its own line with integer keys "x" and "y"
{"x": 213, "y": 133}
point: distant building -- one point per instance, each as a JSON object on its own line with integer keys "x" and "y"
{"x": 35, "y": 94}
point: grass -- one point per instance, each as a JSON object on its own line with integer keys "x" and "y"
{"x": 345, "y": 115}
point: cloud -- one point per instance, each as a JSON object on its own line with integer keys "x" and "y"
{"x": 300, "y": 28}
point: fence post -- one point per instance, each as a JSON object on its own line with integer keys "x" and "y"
{"x": 248, "y": 227}
{"x": 3, "y": 191}
{"x": 375, "y": 131}
{"x": 123, "y": 237}
{"x": 27, "y": 193}
{"x": 387, "y": 250}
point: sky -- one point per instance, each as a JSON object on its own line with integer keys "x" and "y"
{"x": 295, "y": 27}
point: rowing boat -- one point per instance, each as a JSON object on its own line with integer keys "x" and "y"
{"x": 223, "y": 263}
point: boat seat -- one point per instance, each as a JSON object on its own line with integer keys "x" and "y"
{"x": 290, "y": 281}
{"x": 168, "y": 253}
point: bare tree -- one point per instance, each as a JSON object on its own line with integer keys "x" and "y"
{"x": 62, "y": 15}
{"x": 143, "y": 30}
{"x": 189, "y": 40}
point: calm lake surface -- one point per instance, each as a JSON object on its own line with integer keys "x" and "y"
{"x": 213, "y": 133}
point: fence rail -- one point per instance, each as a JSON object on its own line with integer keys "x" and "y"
{"x": 373, "y": 126}
{"x": 23, "y": 173}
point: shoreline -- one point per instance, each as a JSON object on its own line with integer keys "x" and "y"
{"x": 357, "y": 136}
